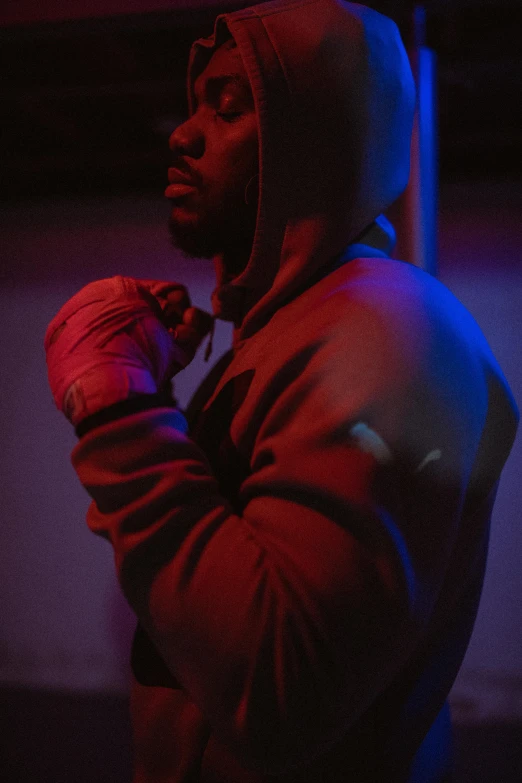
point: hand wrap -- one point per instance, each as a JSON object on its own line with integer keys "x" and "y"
{"x": 116, "y": 338}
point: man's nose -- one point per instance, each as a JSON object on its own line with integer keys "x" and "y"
{"x": 174, "y": 143}
{"x": 185, "y": 139}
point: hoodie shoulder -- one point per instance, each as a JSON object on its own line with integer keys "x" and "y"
{"x": 400, "y": 331}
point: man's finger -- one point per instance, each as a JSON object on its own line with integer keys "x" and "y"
{"x": 198, "y": 320}
{"x": 164, "y": 289}
{"x": 174, "y": 307}
{"x": 173, "y": 298}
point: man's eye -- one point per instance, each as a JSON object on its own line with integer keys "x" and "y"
{"x": 229, "y": 116}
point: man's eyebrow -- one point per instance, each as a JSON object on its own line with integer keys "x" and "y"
{"x": 214, "y": 84}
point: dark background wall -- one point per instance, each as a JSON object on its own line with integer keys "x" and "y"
{"x": 87, "y": 105}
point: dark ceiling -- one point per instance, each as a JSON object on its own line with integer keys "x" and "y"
{"x": 88, "y": 106}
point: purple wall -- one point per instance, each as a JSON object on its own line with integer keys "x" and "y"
{"x": 65, "y": 624}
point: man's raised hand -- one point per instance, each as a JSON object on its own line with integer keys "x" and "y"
{"x": 118, "y": 338}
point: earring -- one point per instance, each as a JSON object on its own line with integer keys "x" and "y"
{"x": 256, "y": 176}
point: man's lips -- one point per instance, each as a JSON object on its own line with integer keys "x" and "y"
{"x": 177, "y": 177}
{"x": 180, "y": 183}
{"x": 175, "y": 190}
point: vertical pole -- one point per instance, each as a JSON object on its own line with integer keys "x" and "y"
{"x": 414, "y": 214}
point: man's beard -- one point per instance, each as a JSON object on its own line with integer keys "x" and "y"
{"x": 212, "y": 236}
{"x": 194, "y": 241}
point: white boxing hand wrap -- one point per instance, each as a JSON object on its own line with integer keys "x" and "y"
{"x": 112, "y": 341}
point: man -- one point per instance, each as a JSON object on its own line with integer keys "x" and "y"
{"x": 305, "y": 548}
{"x": 214, "y": 218}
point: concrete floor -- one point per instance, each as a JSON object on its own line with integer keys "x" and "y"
{"x": 48, "y": 737}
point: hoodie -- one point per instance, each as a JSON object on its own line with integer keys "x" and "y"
{"x": 304, "y": 547}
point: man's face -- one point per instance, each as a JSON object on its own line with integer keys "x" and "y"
{"x": 218, "y": 149}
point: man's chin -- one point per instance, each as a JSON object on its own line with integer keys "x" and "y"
{"x": 192, "y": 241}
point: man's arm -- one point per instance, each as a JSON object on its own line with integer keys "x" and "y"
{"x": 284, "y": 623}
{"x": 167, "y": 730}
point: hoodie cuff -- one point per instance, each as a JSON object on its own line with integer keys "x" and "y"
{"x": 119, "y": 410}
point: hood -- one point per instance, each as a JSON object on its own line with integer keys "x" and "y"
{"x": 334, "y": 98}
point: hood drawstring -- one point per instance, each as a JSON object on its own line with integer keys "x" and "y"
{"x": 208, "y": 349}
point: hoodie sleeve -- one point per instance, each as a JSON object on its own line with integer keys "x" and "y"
{"x": 285, "y": 622}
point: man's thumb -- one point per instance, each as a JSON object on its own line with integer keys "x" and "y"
{"x": 198, "y": 320}
{"x": 194, "y": 328}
